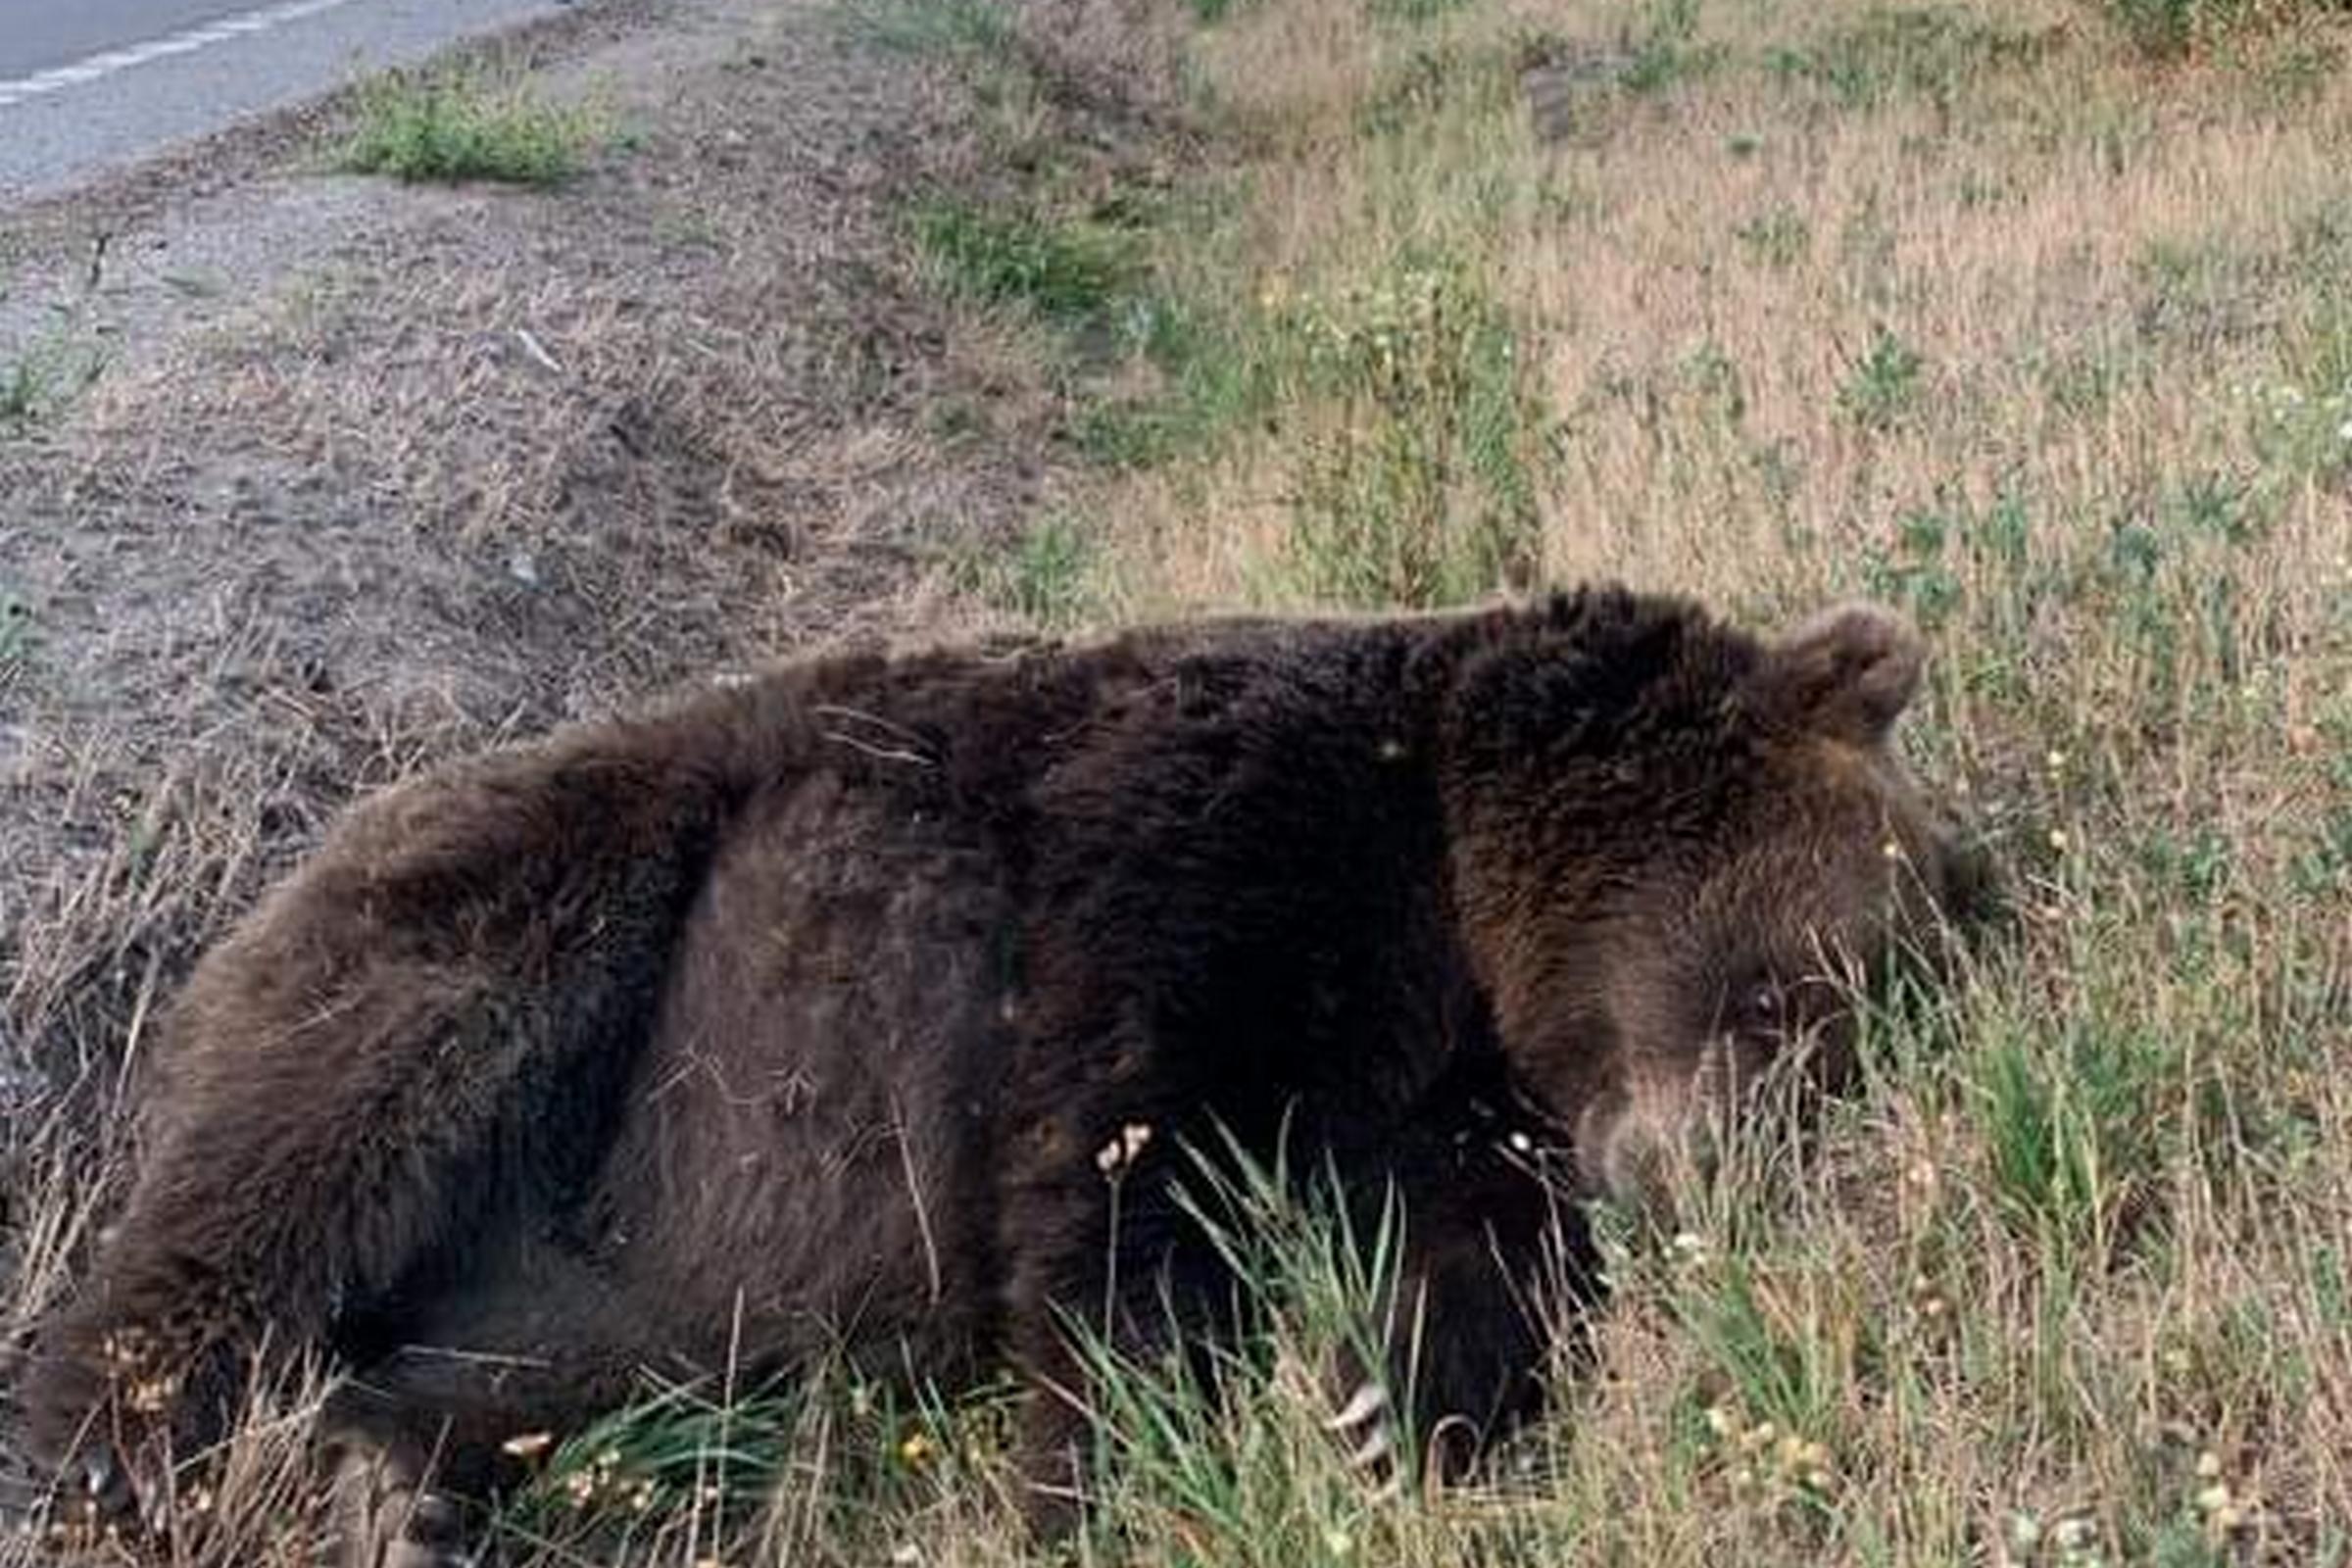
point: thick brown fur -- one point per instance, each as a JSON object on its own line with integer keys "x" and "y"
{"x": 800, "y": 1015}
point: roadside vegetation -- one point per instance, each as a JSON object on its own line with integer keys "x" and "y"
{"x": 40, "y": 377}
{"x": 465, "y": 124}
{"x": 2028, "y": 317}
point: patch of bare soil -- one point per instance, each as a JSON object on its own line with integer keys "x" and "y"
{"x": 406, "y": 469}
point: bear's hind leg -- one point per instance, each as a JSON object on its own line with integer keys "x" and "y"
{"x": 387, "y": 1514}
{"x": 454, "y": 1398}
{"x": 425, "y": 1033}
{"x": 414, "y": 1455}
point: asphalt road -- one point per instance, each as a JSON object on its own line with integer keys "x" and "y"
{"x": 90, "y": 84}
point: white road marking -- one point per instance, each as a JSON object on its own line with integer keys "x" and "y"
{"x": 98, "y": 66}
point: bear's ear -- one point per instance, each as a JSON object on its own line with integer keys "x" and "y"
{"x": 1848, "y": 673}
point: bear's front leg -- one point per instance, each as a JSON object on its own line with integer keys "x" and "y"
{"x": 1497, "y": 1262}
{"x": 1103, "y": 1267}
{"x": 132, "y": 1382}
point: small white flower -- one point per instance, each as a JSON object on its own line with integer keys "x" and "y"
{"x": 2076, "y": 1533}
{"x": 1121, "y": 1151}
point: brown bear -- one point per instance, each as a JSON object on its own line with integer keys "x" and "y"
{"x": 809, "y": 1012}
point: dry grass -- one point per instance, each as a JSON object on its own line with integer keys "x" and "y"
{"x": 1972, "y": 307}
{"x": 490, "y": 462}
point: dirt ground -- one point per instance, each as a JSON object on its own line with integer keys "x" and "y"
{"x": 372, "y": 473}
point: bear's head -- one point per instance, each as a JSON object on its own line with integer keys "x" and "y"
{"x": 1677, "y": 851}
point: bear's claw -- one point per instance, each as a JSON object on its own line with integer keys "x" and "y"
{"x": 93, "y": 1501}
{"x": 1368, "y": 1401}
{"x": 1365, "y": 1421}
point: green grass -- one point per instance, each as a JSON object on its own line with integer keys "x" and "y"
{"x": 44, "y": 376}
{"x": 1208, "y": 374}
{"x": 2167, "y": 29}
{"x": 1044, "y": 575}
{"x": 22, "y": 391}
{"x": 1779, "y": 238}
{"x": 968, "y": 29}
{"x": 1066, "y": 270}
{"x": 1663, "y": 48}
{"x": 446, "y": 128}
{"x": 1904, "y": 54}
{"x": 1421, "y": 493}
{"x": 1884, "y": 385}
{"x": 1414, "y": 11}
